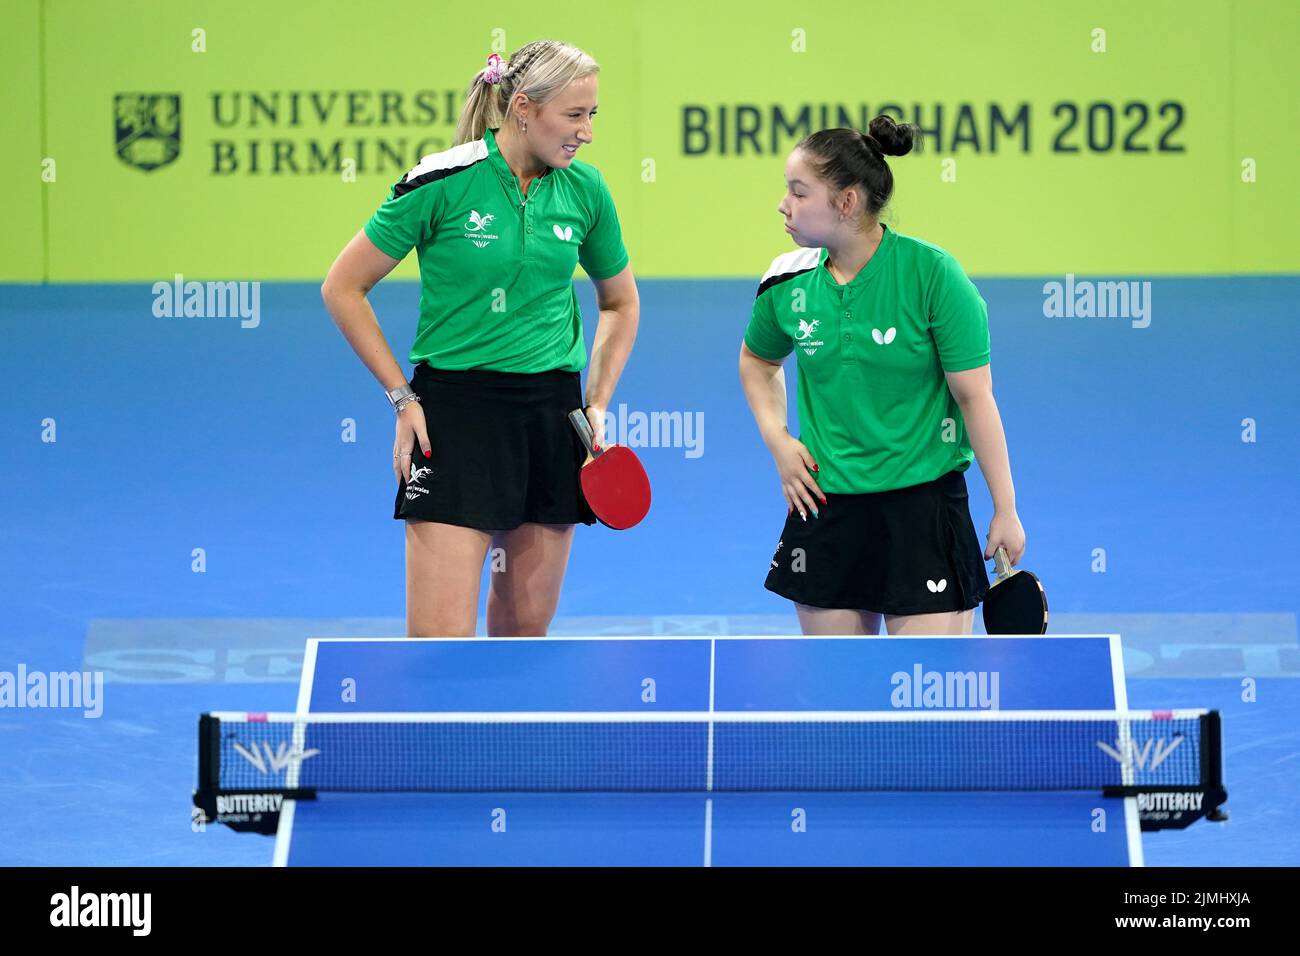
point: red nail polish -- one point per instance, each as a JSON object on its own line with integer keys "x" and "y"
{"x": 815, "y": 466}
{"x": 428, "y": 454}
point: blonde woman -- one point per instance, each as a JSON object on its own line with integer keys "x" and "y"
{"x": 484, "y": 456}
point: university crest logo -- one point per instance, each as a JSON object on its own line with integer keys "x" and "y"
{"x": 148, "y": 128}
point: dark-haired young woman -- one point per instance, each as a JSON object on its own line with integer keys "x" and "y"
{"x": 895, "y": 400}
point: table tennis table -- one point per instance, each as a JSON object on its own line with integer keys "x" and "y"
{"x": 1066, "y": 672}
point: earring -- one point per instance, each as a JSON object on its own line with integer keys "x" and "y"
{"x": 523, "y": 126}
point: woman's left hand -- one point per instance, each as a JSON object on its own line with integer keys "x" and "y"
{"x": 1005, "y": 531}
{"x": 596, "y": 417}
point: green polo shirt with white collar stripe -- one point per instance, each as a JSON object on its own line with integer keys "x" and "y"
{"x": 496, "y": 267}
{"x": 874, "y": 406}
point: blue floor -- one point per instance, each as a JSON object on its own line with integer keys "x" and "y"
{"x": 183, "y": 434}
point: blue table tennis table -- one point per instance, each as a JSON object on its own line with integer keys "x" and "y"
{"x": 1067, "y": 672}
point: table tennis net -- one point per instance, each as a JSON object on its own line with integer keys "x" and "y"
{"x": 719, "y": 752}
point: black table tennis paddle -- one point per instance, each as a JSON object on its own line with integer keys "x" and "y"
{"x": 1016, "y": 602}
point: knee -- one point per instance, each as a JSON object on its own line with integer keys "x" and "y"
{"x": 440, "y": 625}
{"x": 521, "y": 622}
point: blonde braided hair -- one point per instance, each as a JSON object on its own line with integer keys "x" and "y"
{"x": 540, "y": 69}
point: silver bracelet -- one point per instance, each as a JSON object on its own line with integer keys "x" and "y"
{"x": 405, "y": 400}
{"x": 395, "y": 395}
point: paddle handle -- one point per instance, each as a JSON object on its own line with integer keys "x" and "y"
{"x": 1002, "y": 563}
{"x": 578, "y": 419}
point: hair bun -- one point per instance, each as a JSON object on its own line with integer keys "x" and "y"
{"x": 894, "y": 139}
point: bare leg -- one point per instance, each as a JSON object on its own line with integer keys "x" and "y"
{"x": 942, "y": 623}
{"x": 444, "y": 571}
{"x": 822, "y": 620}
{"x": 526, "y": 579}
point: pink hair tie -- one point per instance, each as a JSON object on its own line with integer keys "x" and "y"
{"x": 495, "y": 69}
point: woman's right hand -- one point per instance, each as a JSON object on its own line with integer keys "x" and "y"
{"x": 795, "y": 465}
{"x": 412, "y": 433}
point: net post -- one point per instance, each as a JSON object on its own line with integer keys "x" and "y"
{"x": 1211, "y": 749}
{"x": 209, "y": 752}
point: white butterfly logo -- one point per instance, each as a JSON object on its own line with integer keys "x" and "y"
{"x": 886, "y": 337}
{"x": 565, "y": 234}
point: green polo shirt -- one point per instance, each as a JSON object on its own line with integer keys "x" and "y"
{"x": 496, "y": 267}
{"x": 874, "y": 406}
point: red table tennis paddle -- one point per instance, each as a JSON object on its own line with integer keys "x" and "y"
{"x": 1016, "y": 602}
{"x": 613, "y": 480}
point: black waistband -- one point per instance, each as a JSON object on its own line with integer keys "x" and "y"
{"x": 491, "y": 378}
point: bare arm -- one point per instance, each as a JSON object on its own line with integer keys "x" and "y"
{"x": 356, "y": 271}
{"x": 973, "y": 390}
{"x": 620, "y": 315}
{"x": 764, "y": 386}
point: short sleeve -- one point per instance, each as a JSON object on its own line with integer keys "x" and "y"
{"x": 406, "y": 219}
{"x": 959, "y": 318}
{"x": 764, "y": 337}
{"x": 602, "y": 254}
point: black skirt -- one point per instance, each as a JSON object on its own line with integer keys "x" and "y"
{"x": 504, "y": 452}
{"x": 907, "y": 551}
